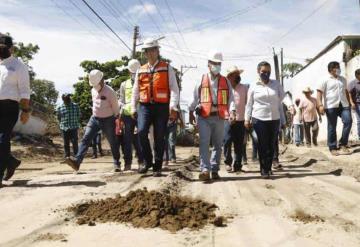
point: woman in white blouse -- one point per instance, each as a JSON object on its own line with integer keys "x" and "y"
{"x": 263, "y": 112}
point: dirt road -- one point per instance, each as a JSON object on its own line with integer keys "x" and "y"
{"x": 310, "y": 203}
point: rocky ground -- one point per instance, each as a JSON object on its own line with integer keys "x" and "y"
{"x": 314, "y": 201}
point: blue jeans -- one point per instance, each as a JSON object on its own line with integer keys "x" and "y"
{"x": 357, "y": 114}
{"x": 129, "y": 139}
{"x": 332, "y": 115}
{"x": 170, "y": 141}
{"x": 70, "y": 135}
{"x": 211, "y": 128}
{"x": 234, "y": 133}
{"x": 107, "y": 126}
{"x": 299, "y": 133}
{"x": 158, "y": 116}
{"x": 9, "y": 112}
{"x": 267, "y": 133}
{"x": 96, "y": 144}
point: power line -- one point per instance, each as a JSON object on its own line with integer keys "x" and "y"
{"x": 114, "y": 13}
{"x": 224, "y": 18}
{"x": 107, "y": 25}
{"x": 302, "y": 21}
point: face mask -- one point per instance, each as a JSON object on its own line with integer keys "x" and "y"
{"x": 215, "y": 69}
{"x": 337, "y": 72}
{"x": 265, "y": 76}
{"x": 4, "y": 53}
{"x": 237, "y": 79}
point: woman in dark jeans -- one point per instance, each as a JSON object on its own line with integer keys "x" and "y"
{"x": 263, "y": 114}
{"x": 14, "y": 94}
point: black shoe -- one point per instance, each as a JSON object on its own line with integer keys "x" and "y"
{"x": 215, "y": 175}
{"x": 127, "y": 166}
{"x": 265, "y": 175}
{"x": 237, "y": 168}
{"x": 117, "y": 169}
{"x": 10, "y": 171}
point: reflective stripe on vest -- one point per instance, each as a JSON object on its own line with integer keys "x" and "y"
{"x": 222, "y": 97}
{"x": 128, "y": 93}
{"x": 154, "y": 85}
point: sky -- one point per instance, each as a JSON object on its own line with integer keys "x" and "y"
{"x": 245, "y": 31}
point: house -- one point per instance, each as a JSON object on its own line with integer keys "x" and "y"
{"x": 344, "y": 49}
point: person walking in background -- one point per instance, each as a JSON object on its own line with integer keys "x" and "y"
{"x": 310, "y": 113}
{"x": 128, "y": 137}
{"x": 68, "y": 115}
{"x": 105, "y": 112}
{"x": 96, "y": 146}
{"x": 14, "y": 95}
{"x": 235, "y": 129}
{"x": 156, "y": 91}
{"x": 211, "y": 101}
{"x": 336, "y": 104}
{"x": 263, "y": 113}
{"x": 298, "y": 124}
{"x": 354, "y": 90}
{"x": 170, "y": 140}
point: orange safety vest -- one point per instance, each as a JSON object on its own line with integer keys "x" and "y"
{"x": 222, "y": 97}
{"x": 154, "y": 85}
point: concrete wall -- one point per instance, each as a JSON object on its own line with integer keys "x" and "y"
{"x": 316, "y": 72}
{"x": 35, "y": 126}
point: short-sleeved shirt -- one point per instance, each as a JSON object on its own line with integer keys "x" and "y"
{"x": 354, "y": 90}
{"x": 105, "y": 102}
{"x": 69, "y": 116}
{"x": 309, "y": 109}
{"x": 334, "y": 90}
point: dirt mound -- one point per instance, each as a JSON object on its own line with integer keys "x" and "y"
{"x": 148, "y": 209}
{"x": 305, "y": 218}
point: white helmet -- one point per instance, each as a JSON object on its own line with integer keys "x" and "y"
{"x": 95, "y": 77}
{"x": 215, "y": 56}
{"x": 133, "y": 65}
{"x": 150, "y": 43}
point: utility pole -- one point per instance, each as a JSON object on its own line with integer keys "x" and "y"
{"x": 276, "y": 64}
{"x": 282, "y": 67}
{"x": 182, "y": 67}
{"x": 135, "y": 37}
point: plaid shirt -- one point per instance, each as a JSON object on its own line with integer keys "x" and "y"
{"x": 69, "y": 116}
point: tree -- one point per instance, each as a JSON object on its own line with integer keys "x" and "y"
{"x": 290, "y": 69}
{"x": 26, "y": 53}
{"x": 44, "y": 93}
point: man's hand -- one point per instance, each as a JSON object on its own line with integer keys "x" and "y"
{"x": 192, "y": 118}
{"x": 134, "y": 115}
{"x": 247, "y": 124}
{"x": 321, "y": 110}
{"x": 24, "y": 117}
{"x": 173, "y": 115}
{"x": 232, "y": 118}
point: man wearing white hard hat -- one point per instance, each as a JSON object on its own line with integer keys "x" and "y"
{"x": 234, "y": 128}
{"x": 105, "y": 111}
{"x": 154, "y": 102}
{"x": 129, "y": 138}
{"x": 212, "y": 99}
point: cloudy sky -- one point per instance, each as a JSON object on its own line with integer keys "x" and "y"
{"x": 244, "y": 30}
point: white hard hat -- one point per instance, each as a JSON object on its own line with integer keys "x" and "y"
{"x": 150, "y": 43}
{"x": 133, "y": 65}
{"x": 233, "y": 69}
{"x": 95, "y": 77}
{"x": 215, "y": 56}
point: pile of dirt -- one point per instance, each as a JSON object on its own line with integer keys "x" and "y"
{"x": 305, "y": 218}
{"x": 147, "y": 209}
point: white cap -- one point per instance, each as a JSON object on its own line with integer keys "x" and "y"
{"x": 133, "y": 65}
{"x": 215, "y": 56}
{"x": 95, "y": 77}
{"x": 150, "y": 43}
{"x": 233, "y": 69}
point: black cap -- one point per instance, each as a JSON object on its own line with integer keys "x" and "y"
{"x": 6, "y": 40}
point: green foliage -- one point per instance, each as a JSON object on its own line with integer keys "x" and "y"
{"x": 44, "y": 93}
{"x": 26, "y": 53}
{"x": 356, "y": 53}
{"x": 290, "y": 69}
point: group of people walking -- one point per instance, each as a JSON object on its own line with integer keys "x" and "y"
{"x": 225, "y": 111}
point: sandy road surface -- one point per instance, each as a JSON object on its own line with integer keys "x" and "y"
{"x": 264, "y": 212}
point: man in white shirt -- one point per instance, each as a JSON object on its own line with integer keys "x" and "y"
{"x": 354, "y": 90}
{"x": 157, "y": 92}
{"x": 212, "y": 99}
{"x": 14, "y": 94}
{"x": 336, "y": 104}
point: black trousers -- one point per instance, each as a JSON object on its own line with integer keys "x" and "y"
{"x": 9, "y": 113}
{"x": 70, "y": 135}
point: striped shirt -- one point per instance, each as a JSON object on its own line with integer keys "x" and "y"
{"x": 69, "y": 116}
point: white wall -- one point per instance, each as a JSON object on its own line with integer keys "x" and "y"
{"x": 35, "y": 126}
{"x": 316, "y": 72}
